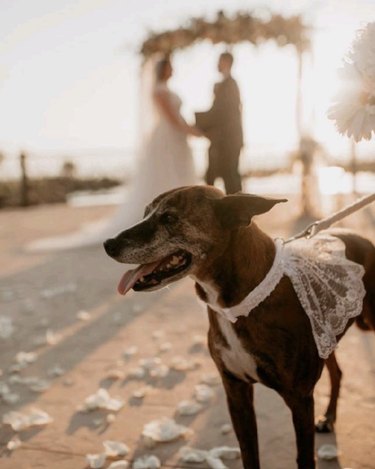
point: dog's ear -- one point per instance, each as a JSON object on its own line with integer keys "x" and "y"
{"x": 237, "y": 210}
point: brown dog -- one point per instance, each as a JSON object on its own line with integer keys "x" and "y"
{"x": 198, "y": 231}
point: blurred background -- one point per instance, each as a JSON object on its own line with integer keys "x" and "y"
{"x": 69, "y": 96}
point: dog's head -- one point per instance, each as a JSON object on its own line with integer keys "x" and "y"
{"x": 182, "y": 230}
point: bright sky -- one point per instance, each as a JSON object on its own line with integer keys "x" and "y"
{"x": 69, "y": 70}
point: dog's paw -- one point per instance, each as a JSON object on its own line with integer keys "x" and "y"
{"x": 324, "y": 425}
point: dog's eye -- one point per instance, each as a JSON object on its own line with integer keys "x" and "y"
{"x": 168, "y": 218}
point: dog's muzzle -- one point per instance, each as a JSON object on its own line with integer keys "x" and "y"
{"x": 112, "y": 247}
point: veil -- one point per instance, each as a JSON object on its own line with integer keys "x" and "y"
{"x": 148, "y": 115}
{"x": 136, "y": 196}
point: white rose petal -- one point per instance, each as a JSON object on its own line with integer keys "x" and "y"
{"x": 159, "y": 371}
{"x": 14, "y": 443}
{"x": 141, "y": 392}
{"x": 114, "y": 449}
{"x": 19, "y": 421}
{"x": 192, "y": 455}
{"x": 11, "y": 398}
{"x": 102, "y": 400}
{"x": 183, "y": 364}
{"x": 119, "y": 465}
{"x": 203, "y": 393}
{"x": 96, "y": 461}
{"x": 328, "y": 452}
{"x": 147, "y": 462}
{"x": 130, "y": 351}
{"x": 16, "y": 420}
{"x": 55, "y": 371}
{"x": 83, "y": 316}
{"x": 165, "y": 429}
{"x": 150, "y": 363}
{"x": 39, "y": 417}
{"x": 137, "y": 373}
{"x": 25, "y": 358}
{"x": 188, "y": 408}
{"x": 226, "y": 428}
{"x": 52, "y": 338}
{"x": 110, "y": 418}
{"x": 6, "y": 327}
{"x": 40, "y": 385}
{"x": 211, "y": 379}
{"x": 225, "y": 452}
{"x": 215, "y": 463}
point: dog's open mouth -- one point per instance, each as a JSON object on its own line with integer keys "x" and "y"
{"x": 148, "y": 276}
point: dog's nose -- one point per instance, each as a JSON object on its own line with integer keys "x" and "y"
{"x": 111, "y": 247}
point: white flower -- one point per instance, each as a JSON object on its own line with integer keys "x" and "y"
{"x": 354, "y": 107}
{"x": 363, "y": 52}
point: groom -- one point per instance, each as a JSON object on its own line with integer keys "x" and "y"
{"x": 223, "y": 127}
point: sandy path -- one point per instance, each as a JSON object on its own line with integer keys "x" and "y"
{"x": 45, "y": 292}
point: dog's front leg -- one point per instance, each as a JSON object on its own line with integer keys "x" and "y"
{"x": 302, "y": 408}
{"x": 326, "y": 423}
{"x": 240, "y": 397}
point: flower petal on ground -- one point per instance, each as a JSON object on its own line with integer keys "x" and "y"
{"x": 147, "y": 462}
{"x": 203, "y": 393}
{"x": 165, "y": 429}
{"x": 114, "y": 449}
{"x": 328, "y": 452}
{"x": 188, "y": 408}
{"x": 96, "y": 461}
{"x": 102, "y": 400}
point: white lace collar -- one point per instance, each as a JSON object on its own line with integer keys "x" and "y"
{"x": 328, "y": 285}
{"x": 260, "y": 293}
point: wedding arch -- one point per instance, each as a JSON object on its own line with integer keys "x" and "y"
{"x": 231, "y": 30}
{"x": 240, "y": 28}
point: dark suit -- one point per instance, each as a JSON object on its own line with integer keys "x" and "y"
{"x": 222, "y": 125}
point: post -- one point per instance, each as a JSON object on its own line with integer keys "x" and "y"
{"x": 299, "y": 115}
{"x": 353, "y": 154}
{"x": 24, "y": 183}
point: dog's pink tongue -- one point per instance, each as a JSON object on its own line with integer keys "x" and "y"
{"x": 131, "y": 276}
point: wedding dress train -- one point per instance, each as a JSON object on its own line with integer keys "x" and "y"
{"x": 165, "y": 162}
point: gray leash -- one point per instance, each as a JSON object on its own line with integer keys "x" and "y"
{"x": 319, "y": 225}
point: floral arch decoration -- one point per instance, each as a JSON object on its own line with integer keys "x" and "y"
{"x": 230, "y": 30}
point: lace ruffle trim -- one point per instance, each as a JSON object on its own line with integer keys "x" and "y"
{"x": 328, "y": 285}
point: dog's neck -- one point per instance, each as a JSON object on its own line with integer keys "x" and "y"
{"x": 243, "y": 264}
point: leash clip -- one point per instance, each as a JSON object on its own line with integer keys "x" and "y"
{"x": 307, "y": 233}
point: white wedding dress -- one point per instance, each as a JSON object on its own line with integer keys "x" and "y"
{"x": 165, "y": 162}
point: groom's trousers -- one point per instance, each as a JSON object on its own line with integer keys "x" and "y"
{"x": 223, "y": 162}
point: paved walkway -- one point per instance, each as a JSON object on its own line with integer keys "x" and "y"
{"x": 42, "y": 295}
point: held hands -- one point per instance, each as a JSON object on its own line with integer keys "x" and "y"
{"x": 193, "y": 130}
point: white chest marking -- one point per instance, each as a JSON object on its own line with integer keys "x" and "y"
{"x": 236, "y": 359}
{"x": 209, "y": 289}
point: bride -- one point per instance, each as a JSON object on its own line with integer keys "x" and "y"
{"x": 165, "y": 162}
